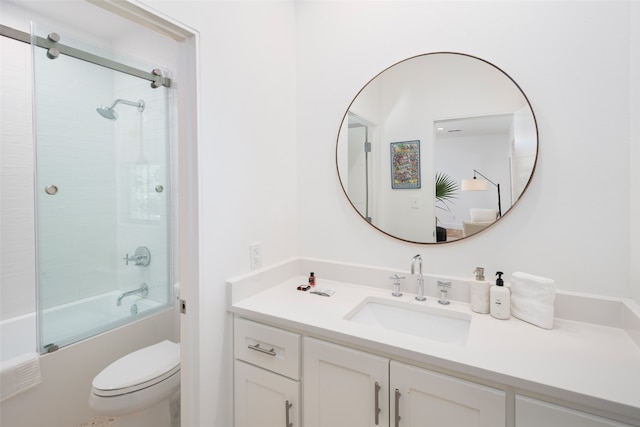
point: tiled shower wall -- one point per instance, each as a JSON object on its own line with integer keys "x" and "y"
{"x": 17, "y": 247}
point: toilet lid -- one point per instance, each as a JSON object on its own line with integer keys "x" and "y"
{"x": 139, "y": 369}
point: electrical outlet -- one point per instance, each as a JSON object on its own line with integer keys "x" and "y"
{"x": 255, "y": 255}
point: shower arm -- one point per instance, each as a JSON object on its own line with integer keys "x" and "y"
{"x": 139, "y": 104}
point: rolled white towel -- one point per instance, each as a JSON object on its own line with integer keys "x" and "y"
{"x": 532, "y": 299}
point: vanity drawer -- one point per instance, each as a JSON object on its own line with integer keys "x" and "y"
{"x": 267, "y": 347}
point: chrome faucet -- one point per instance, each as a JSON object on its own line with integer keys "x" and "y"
{"x": 143, "y": 289}
{"x": 418, "y": 258}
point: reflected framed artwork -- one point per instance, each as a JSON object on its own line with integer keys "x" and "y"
{"x": 405, "y": 164}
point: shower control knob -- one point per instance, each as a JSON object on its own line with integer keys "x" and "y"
{"x": 51, "y": 190}
{"x": 142, "y": 257}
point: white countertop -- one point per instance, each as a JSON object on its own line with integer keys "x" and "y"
{"x": 584, "y": 363}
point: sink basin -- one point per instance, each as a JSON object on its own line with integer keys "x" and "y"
{"x": 412, "y": 319}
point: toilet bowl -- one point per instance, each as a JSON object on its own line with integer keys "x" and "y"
{"x": 141, "y": 389}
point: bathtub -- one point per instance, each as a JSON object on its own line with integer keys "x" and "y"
{"x": 74, "y": 321}
{"x": 71, "y": 322}
{"x": 17, "y": 336}
{"x": 76, "y": 365}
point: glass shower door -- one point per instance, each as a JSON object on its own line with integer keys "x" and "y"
{"x": 103, "y": 182}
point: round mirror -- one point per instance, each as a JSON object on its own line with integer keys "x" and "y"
{"x": 437, "y": 147}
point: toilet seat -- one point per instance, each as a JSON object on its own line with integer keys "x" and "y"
{"x": 138, "y": 370}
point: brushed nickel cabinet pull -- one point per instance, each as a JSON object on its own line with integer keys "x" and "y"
{"x": 287, "y": 406}
{"x": 377, "y": 403}
{"x": 257, "y": 347}
{"x": 398, "y": 417}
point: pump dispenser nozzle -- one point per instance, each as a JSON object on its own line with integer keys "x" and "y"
{"x": 499, "y": 281}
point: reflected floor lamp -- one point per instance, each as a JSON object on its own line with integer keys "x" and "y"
{"x": 481, "y": 185}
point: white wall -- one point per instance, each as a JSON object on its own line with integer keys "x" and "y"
{"x": 577, "y": 79}
{"x": 634, "y": 157}
{"x": 247, "y": 161}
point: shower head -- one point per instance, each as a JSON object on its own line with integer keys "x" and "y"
{"x": 107, "y": 112}
{"x": 110, "y": 113}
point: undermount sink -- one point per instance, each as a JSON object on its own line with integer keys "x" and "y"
{"x": 409, "y": 318}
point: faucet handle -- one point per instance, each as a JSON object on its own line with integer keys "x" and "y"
{"x": 141, "y": 257}
{"x": 396, "y": 278}
{"x": 443, "y": 292}
{"x": 479, "y": 272}
{"x": 443, "y": 285}
{"x": 396, "y": 285}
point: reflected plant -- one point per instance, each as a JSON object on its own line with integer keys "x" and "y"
{"x": 446, "y": 189}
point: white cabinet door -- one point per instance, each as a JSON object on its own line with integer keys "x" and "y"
{"x": 264, "y": 399}
{"x": 535, "y": 413}
{"x": 344, "y": 387}
{"x": 421, "y": 398}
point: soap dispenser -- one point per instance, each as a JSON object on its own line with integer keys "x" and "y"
{"x": 500, "y": 299}
{"x": 479, "y": 292}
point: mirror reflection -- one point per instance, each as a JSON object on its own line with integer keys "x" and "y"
{"x": 437, "y": 147}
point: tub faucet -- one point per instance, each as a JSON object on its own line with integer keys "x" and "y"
{"x": 143, "y": 289}
{"x": 418, "y": 259}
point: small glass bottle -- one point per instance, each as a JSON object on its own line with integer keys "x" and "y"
{"x": 312, "y": 279}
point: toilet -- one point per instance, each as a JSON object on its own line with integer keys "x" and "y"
{"x": 141, "y": 389}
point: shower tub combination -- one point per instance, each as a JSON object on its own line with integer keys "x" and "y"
{"x": 101, "y": 168}
{"x": 102, "y": 188}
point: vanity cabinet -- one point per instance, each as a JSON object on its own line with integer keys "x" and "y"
{"x": 263, "y": 398}
{"x": 278, "y": 384}
{"x": 346, "y": 387}
{"x": 535, "y": 413}
{"x": 266, "y": 377}
{"x": 429, "y": 399}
